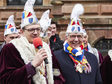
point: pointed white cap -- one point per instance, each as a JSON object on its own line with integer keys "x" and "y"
{"x": 28, "y": 15}
{"x": 75, "y": 25}
{"x": 45, "y": 22}
{"x": 10, "y": 26}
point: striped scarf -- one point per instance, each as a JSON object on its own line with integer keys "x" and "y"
{"x": 77, "y": 55}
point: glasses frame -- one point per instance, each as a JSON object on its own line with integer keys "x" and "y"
{"x": 32, "y": 30}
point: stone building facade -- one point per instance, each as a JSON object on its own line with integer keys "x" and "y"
{"x": 97, "y": 19}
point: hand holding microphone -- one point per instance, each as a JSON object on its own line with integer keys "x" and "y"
{"x": 41, "y": 54}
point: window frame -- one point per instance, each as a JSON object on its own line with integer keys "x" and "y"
{"x": 19, "y": 3}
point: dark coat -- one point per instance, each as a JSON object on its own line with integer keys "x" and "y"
{"x": 2, "y": 46}
{"x": 66, "y": 66}
{"x": 12, "y": 67}
{"x": 55, "y": 45}
{"x": 106, "y": 70}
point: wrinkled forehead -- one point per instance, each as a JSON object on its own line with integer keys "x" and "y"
{"x": 69, "y": 34}
{"x": 53, "y": 25}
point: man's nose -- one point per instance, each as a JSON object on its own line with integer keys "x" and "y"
{"x": 35, "y": 32}
{"x": 76, "y": 38}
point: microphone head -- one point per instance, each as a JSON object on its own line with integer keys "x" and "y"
{"x": 37, "y": 42}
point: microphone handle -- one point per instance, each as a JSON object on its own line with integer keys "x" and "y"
{"x": 45, "y": 60}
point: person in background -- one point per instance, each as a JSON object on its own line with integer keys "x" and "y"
{"x": 10, "y": 31}
{"x": 48, "y": 35}
{"x": 106, "y": 68}
{"x": 90, "y": 49}
{"x": 54, "y": 41}
{"x": 19, "y": 32}
{"x": 20, "y": 61}
{"x": 74, "y": 65}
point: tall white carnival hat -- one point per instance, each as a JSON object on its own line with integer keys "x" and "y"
{"x": 75, "y": 25}
{"x": 10, "y": 26}
{"x": 45, "y": 22}
{"x": 28, "y": 15}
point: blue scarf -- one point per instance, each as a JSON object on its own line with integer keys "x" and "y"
{"x": 77, "y": 53}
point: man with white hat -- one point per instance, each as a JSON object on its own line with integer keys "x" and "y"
{"x": 10, "y": 31}
{"x": 20, "y": 61}
{"x": 73, "y": 63}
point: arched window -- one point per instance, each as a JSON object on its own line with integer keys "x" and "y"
{"x": 103, "y": 45}
{"x": 22, "y": 2}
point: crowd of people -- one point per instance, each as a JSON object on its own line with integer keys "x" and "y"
{"x": 70, "y": 61}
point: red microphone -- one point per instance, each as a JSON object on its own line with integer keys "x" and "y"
{"x": 37, "y": 42}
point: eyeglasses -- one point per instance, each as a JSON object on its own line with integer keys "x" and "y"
{"x": 12, "y": 37}
{"x": 74, "y": 36}
{"x": 32, "y": 30}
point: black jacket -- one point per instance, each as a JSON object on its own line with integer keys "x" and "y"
{"x": 69, "y": 73}
{"x": 56, "y": 45}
